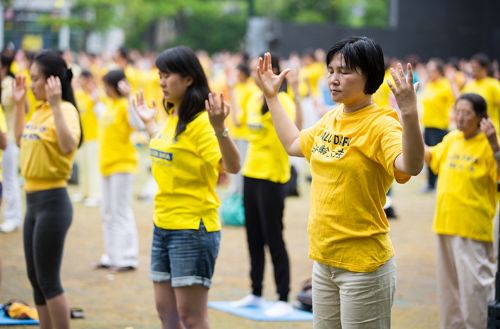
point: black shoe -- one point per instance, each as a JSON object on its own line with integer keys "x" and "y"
{"x": 390, "y": 213}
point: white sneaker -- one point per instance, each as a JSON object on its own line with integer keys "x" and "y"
{"x": 91, "y": 202}
{"x": 8, "y": 227}
{"x": 248, "y": 301}
{"x": 279, "y": 309}
{"x": 77, "y": 197}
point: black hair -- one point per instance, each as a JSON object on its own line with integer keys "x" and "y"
{"x": 112, "y": 78}
{"x": 183, "y": 61}
{"x": 244, "y": 68}
{"x": 439, "y": 64}
{"x": 275, "y": 63}
{"x": 86, "y": 74}
{"x": 482, "y": 59}
{"x": 361, "y": 54}
{"x": 50, "y": 64}
{"x": 6, "y": 59}
{"x": 478, "y": 103}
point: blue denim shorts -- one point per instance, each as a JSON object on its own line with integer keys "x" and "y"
{"x": 184, "y": 257}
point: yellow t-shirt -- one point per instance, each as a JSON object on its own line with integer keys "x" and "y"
{"x": 489, "y": 88}
{"x": 3, "y": 130}
{"x": 186, "y": 172}
{"x": 382, "y": 97}
{"x": 266, "y": 158}
{"x": 43, "y": 166}
{"x": 437, "y": 101}
{"x": 244, "y": 92}
{"x": 87, "y": 115}
{"x": 117, "y": 153}
{"x": 467, "y": 185}
{"x": 352, "y": 158}
{"x": 309, "y": 77}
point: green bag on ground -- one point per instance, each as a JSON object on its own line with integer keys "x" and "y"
{"x": 232, "y": 210}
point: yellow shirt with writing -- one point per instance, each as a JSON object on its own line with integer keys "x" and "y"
{"x": 437, "y": 101}
{"x": 117, "y": 153}
{"x": 352, "y": 158}
{"x": 489, "y": 88}
{"x": 43, "y": 165}
{"x": 466, "y": 192}
{"x": 186, "y": 172}
{"x": 266, "y": 158}
{"x": 3, "y": 130}
{"x": 86, "y": 105}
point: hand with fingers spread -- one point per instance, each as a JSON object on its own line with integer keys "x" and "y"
{"x": 403, "y": 89}
{"x": 267, "y": 81}
{"x": 146, "y": 114}
{"x": 19, "y": 90}
{"x": 217, "y": 110}
{"x": 53, "y": 91}
{"x": 487, "y": 127}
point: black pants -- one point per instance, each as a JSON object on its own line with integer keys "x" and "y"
{"x": 48, "y": 217}
{"x": 264, "y": 204}
{"x": 433, "y": 136}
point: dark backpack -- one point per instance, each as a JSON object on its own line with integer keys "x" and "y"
{"x": 304, "y": 296}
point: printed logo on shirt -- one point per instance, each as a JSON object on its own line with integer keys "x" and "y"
{"x": 331, "y": 145}
{"x": 168, "y": 156}
{"x": 462, "y": 162}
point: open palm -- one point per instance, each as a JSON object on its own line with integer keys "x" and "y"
{"x": 19, "y": 89}
{"x": 145, "y": 113}
{"x": 267, "y": 81}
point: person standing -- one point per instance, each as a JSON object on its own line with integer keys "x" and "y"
{"x": 48, "y": 142}
{"x": 188, "y": 153}
{"x": 355, "y": 152}
{"x": 468, "y": 162}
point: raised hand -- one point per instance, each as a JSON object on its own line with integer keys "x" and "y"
{"x": 19, "y": 90}
{"x": 53, "y": 91}
{"x": 217, "y": 110}
{"x": 267, "y": 81}
{"x": 403, "y": 89}
{"x": 145, "y": 113}
{"x": 489, "y": 130}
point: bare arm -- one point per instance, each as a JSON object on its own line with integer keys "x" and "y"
{"x": 270, "y": 83}
{"x": 411, "y": 160}
{"x": 217, "y": 113}
{"x": 489, "y": 130}
{"x": 65, "y": 139}
{"x": 19, "y": 96}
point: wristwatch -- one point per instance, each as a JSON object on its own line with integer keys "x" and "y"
{"x": 223, "y": 134}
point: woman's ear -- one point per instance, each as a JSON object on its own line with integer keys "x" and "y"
{"x": 189, "y": 81}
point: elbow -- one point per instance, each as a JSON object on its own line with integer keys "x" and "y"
{"x": 415, "y": 169}
{"x": 234, "y": 168}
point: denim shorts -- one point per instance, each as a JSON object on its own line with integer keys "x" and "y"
{"x": 184, "y": 257}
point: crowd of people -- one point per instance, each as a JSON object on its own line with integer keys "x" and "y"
{"x": 360, "y": 120}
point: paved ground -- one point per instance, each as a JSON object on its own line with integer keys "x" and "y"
{"x": 126, "y": 300}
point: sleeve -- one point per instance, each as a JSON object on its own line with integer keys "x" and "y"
{"x": 307, "y": 136}
{"x": 206, "y": 141}
{"x": 391, "y": 146}
{"x": 438, "y": 154}
{"x": 72, "y": 119}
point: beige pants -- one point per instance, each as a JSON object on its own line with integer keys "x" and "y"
{"x": 90, "y": 179}
{"x": 466, "y": 277}
{"x": 350, "y": 300}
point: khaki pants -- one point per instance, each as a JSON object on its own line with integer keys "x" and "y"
{"x": 466, "y": 279}
{"x": 350, "y": 300}
{"x": 90, "y": 180}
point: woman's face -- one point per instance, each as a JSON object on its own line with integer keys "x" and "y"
{"x": 465, "y": 118}
{"x": 346, "y": 86}
{"x": 433, "y": 71}
{"x": 174, "y": 86}
{"x": 38, "y": 82}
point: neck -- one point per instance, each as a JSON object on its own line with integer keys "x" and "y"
{"x": 471, "y": 134}
{"x": 358, "y": 105}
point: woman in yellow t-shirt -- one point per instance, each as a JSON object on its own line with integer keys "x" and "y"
{"x": 468, "y": 162}
{"x": 355, "y": 152}
{"x": 265, "y": 172}
{"x": 186, "y": 152}
{"x": 48, "y": 143}
{"x": 118, "y": 163}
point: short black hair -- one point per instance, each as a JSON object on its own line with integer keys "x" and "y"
{"x": 243, "y": 68}
{"x": 361, "y": 54}
{"x": 439, "y": 64}
{"x": 112, "y": 78}
{"x": 478, "y": 103}
{"x": 482, "y": 59}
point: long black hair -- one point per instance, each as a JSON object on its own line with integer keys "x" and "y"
{"x": 183, "y": 61}
{"x": 112, "y": 78}
{"x": 275, "y": 63}
{"x": 51, "y": 63}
